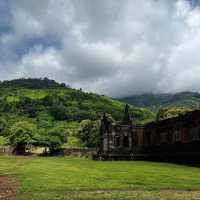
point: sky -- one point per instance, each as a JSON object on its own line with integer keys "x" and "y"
{"x": 112, "y": 47}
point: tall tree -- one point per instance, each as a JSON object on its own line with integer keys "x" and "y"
{"x": 22, "y": 134}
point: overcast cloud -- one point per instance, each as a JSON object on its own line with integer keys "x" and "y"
{"x": 111, "y": 47}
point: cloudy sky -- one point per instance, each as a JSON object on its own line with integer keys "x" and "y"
{"x": 112, "y": 47}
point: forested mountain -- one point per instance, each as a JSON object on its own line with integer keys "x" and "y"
{"x": 40, "y": 108}
{"x": 156, "y": 101}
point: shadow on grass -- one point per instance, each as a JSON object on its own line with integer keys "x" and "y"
{"x": 192, "y": 161}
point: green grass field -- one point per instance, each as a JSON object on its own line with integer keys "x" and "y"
{"x": 80, "y": 178}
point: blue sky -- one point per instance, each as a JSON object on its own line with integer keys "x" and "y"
{"x": 195, "y": 2}
{"x": 117, "y": 48}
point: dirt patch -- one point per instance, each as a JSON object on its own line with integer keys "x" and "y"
{"x": 8, "y": 188}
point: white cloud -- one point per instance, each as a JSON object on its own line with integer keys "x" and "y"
{"x": 40, "y": 62}
{"x": 114, "y": 47}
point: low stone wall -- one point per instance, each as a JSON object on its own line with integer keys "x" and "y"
{"x": 5, "y": 150}
{"x": 78, "y": 152}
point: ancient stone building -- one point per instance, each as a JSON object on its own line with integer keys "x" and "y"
{"x": 178, "y": 136}
{"x": 120, "y": 140}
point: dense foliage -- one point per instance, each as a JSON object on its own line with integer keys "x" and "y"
{"x": 89, "y": 133}
{"x": 54, "y": 139}
{"x": 165, "y": 113}
{"x": 43, "y": 112}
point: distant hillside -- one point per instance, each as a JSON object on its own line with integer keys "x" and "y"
{"x": 31, "y": 97}
{"x": 156, "y": 101}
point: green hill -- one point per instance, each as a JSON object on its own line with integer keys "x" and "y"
{"x": 44, "y": 105}
{"x": 156, "y": 101}
{"x": 30, "y": 97}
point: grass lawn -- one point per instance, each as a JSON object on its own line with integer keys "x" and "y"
{"x": 80, "y": 178}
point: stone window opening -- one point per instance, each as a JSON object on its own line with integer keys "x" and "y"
{"x": 194, "y": 134}
{"x": 125, "y": 141}
{"x": 117, "y": 141}
{"x": 177, "y": 136}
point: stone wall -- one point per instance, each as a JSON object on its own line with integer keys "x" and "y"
{"x": 5, "y": 150}
{"x": 78, "y": 152}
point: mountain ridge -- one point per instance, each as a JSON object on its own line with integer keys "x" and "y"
{"x": 156, "y": 101}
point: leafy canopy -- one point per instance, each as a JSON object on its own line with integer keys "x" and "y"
{"x": 23, "y": 133}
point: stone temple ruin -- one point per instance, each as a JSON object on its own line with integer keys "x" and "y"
{"x": 174, "y": 137}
